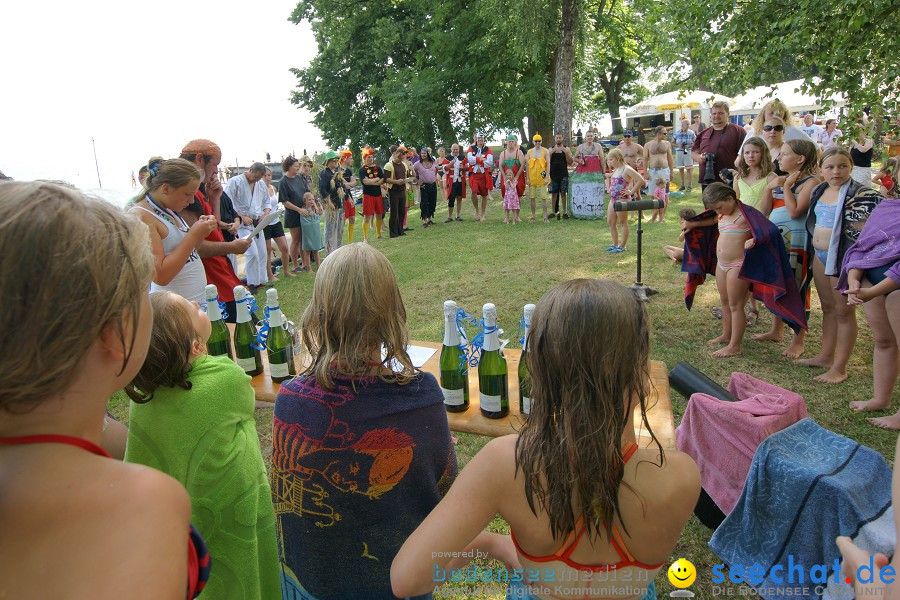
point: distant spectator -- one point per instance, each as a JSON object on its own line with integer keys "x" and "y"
{"x": 721, "y": 140}
{"x": 861, "y": 151}
{"x": 683, "y": 141}
{"x": 892, "y": 139}
{"x": 579, "y": 137}
{"x": 696, "y": 125}
{"x": 810, "y": 128}
{"x": 828, "y": 138}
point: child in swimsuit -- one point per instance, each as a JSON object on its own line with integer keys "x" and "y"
{"x": 623, "y": 184}
{"x": 734, "y": 238}
{"x": 74, "y": 522}
{"x": 632, "y": 502}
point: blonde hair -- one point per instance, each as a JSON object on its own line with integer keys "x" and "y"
{"x": 660, "y": 181}
{"x": 176, "y": 172}
{"x": 355, "y": 309}
{"x": 168, "y": 359}
{"x": 766, "y": 165}
{"x": 70, "y": 266}
{"x": 617, "y": 154}
{"x": 779, "y": 109}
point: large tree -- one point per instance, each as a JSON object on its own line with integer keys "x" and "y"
{"x": 848, "y": 47}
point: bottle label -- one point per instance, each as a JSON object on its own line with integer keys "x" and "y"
{"x": 454, "y": 397}
{"x": 279, "y": 370}
{"x": 247, "y": 364}
{"x": 489, "y": 403}
{"x": 526, "y": 404}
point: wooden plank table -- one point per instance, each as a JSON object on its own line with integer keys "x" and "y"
{"x": 659, "y": 404}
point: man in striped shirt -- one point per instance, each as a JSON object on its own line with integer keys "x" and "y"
{"x": 682, "y": 142}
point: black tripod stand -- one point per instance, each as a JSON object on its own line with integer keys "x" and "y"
{"x": 639, "y": 288}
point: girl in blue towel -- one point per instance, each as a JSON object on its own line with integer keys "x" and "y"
{"x": 192, "y": 418}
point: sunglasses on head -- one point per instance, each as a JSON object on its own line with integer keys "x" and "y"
{"x": 775, "y": 127}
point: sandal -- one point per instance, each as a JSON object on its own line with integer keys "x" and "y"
{"x": 752, "y": 317}
{"x": 716, "y": 311}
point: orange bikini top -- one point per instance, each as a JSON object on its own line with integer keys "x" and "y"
{"x": 571, "y": 542}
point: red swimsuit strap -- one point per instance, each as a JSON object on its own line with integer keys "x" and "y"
{"x": 52, "y": 438}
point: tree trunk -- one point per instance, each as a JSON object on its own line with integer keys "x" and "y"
{"x": 612, "y": 90}
{"x": 565, "y": 70}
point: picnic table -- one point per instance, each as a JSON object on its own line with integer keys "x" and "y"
{"x": 659, "y": 403}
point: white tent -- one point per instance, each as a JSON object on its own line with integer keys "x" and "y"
{"x": 787, "y": 91}
{"x": 672, "y": 101}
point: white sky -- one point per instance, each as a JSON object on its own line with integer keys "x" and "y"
{"x": 142, "y": 79}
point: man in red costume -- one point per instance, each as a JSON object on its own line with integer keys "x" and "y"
{"x": 214, "y": 249}
{"x": 345, "y": 167}
{"x": 481, "y": 160}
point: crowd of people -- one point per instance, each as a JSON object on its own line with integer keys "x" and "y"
{"x": 365, "y": 498}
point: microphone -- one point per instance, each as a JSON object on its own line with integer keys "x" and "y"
{"x": 638, "y": 205}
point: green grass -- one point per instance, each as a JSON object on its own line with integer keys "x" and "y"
{"x": 511, "y": 265}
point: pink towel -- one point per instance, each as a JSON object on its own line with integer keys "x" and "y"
{"x": 722, "y": 437}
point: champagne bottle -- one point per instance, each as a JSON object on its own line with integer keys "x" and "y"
{"x": 219, "y": 343}
{"x": 279, "y": 343}
{"x": 524, "y": 379}
{"x": 454, "y": 382}
{"x": 245, "y": 355}
{"x": 493, "y": 388}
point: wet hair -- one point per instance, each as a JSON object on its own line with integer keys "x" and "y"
{"x": 570, "y": 448}
{"x": 168, "y": 359}
{"x": 687, "y": 213}
{"x": 355, "y": 309}
{"x": 837, "y": 150}
{"x": 71, "y": 266}
{"x": 288, "y": 162}
{"x": 176, "y": 172}
{"x": 766, "y": 165}
{"x": 257, "y": 167}
{"x": 717, "y": 192}
{"x": 809, "y": 151}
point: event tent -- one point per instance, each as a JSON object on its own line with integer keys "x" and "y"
{"x": 788, "y": 92}
{"x": 672, "y": 101}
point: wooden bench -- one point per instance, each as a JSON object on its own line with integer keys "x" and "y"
{"x": 659, "y": 404}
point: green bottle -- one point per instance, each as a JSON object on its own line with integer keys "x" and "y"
{"x": 279, "y": 343}
{"x": 245, "y": 355}
{"x": 454, "y": 382}
{"x": 493, "y": 388}
{"x": 524, "y": 380}
{"x": 219, "y": 343}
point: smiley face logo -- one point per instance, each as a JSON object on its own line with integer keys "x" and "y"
{"x": 682, "y": 573}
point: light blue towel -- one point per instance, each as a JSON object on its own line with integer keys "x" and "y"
{"x": 806, "y": 486}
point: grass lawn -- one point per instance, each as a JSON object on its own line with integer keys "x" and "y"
{"x": 512, "y": 265}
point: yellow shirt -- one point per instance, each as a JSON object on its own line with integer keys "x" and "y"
{"x": 537, "y": 168}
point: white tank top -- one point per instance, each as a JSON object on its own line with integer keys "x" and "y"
{"x": 190, "y": 282}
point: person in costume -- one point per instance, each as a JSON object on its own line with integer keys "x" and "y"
{"x": 481, "y": 161}
{"x": 560, "y": 160}
{"x": 345, "y": 168}
{"x": 332, "y": 191}
{"x": 538, "y": 169}
{"x": 512, "y": 174}
{"x": 395, "y": 175}
{"x": 454, "y": 169}
{"x": 371, "y": 176}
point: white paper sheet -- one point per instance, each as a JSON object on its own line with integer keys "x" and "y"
{"x": 419, "y": 355}
{"x": 265, "y": 222}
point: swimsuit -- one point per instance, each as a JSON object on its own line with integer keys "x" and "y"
{"x": 751, "y": 194}
{"x": 199, "y": 562}
{"x": 726, "y": 228}
{"x": 825, "y": 214}
{"x": 617, "y": 185}
{"x": 796, "y": 240}
{"x": 626, "y": 560}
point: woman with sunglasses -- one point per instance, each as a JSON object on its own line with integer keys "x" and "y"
{"x": 776, "y": 108}
{"x": 773, "y": 133}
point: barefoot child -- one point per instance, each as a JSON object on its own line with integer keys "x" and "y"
{"x": 660, "y": 193}
{"x": 192, "y": 418}
{"x": 734, "y": 238}
{"x": 786, "y": 202}
{"x": 623, "y": 183}
{"x": 676, "y": 253}
{"x": 870, "y": 277}
{"x": 311, "y": 227}
{"x": 511, "y": 202}
{"x": 838, "y": 209}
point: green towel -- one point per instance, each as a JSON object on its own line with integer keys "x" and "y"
{"x": 206, "y": 438}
